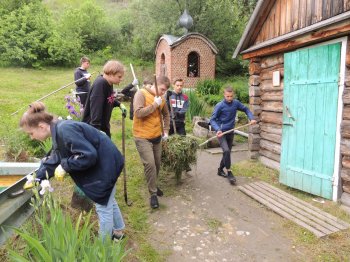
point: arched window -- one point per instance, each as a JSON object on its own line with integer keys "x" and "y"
{"x": 163, "y": 71}
{"x": 193, "y": 64}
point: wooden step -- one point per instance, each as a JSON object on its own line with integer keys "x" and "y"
{"x": 300, "y": 212}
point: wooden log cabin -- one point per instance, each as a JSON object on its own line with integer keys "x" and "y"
{"x": 299, "y": 54}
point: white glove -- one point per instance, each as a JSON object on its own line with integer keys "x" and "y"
{"x": 158, "y": 100}
{"x": 165, "y": 136}
{"x": 60, "y": 173}
{"x": 135, "y": 82}
{"x": 87, "y": 76}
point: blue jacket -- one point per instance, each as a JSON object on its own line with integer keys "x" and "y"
{"x": 224, "y": 115}
{"x": 88, "y": 155}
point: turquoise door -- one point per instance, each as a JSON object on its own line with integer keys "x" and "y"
{"x": 309, "y": 119}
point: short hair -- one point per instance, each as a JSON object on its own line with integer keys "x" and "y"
{"x": 113, "y": 67}
{"x": 163, "y": 80}
{"x": 229, "y": 89}
{"x": 178, "y": 80}
{"x": 84, "y": 59}
{"x": 35, "y": 114}
{"x": 147, "y": 81}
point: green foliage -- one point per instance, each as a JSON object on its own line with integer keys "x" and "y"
{"x": 197, "y": 106}
{"x": 208, "y": 87}
{"x": 23, "y": 34}
{"x": 178, "y": 153}
{"x": 55, "y": 237}
{"x": 213, "y": 99}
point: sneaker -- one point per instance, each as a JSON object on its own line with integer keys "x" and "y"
{"x": 117, "y": 238}
{"x": 231, "y": 177}
{"x": 159, "y": 192}
{"x": 221, "y": 172}
{"x": 154, "y": 201}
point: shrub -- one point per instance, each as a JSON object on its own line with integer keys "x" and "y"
{"x": 213, "y": 99}
{"x": 54, "y": 237}
{"x": 208, "y": 87}
{"x": 197, "y": 106}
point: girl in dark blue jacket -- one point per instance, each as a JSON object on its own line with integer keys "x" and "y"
{"x": 89, "y": 156}
{"x": 223, "y": 119}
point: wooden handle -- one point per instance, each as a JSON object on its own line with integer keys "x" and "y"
{"x": 159, "y": 110}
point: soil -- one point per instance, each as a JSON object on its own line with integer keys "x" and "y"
{"x": 207, "y": 219}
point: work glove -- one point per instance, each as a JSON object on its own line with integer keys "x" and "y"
{"x": 158, "y": 100}
{"x": 60, "y": 173}
{"x": 87, "y": 76}
{"x": 135, "y": 82}
{"x": 31, "y": 182}
{"x": 165, "y": 136}
{"x": 123, "y": 108}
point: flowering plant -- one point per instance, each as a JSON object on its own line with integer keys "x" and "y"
{"x": 73, "y": 105}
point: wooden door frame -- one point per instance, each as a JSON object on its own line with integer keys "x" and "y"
{"x": 337, "y": 189}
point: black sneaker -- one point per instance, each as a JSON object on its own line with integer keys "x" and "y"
{"x": 231, "y": 178}
{"x": 154, "y": 201}
{"x": 159, "y": 192}
{"x": 221, "y": 172}
{"x": 117, "y": 238}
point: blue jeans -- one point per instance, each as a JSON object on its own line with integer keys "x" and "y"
{"x": 110, "y": 217}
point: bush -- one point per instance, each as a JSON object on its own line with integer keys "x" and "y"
{"x": 208, "y": 87}
{"x": 213, "y": 99}
{"x": 197, "y": 106}
{"x": 54, "y": 237}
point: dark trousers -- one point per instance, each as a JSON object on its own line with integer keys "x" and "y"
{"x": 180, "y": 128}
{"x": 226, "y": 142}
{"x": 82, "y": 98}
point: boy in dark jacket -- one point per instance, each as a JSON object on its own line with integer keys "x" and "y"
{"x": 89, "y": 156}
{"x": 102, "y": 99}
{"x": 81, "y": 74}
{"x": 179, "y": 103}
{"x": 223, "y": 119}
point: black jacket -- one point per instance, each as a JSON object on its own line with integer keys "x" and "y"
{"x": 83, "y": 85}
{"x": 89, "y": 156}
{"x": 99, "y": 105}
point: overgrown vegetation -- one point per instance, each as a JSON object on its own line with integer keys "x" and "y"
{"x": 178, "y": 153}
{"x": 58, "y": 32}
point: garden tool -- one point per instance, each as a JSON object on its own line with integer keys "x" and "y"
{"x": 129, "y": 203}
{"x": 133, "y": 74}
{"x": 224, "y": 133}
{"x": 172, "y": 114}
{"x": 53, "y": 92}
{"x": 159, "y": 110}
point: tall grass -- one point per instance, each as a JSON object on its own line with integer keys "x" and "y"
{"x": 54, "y": 237}
{"x": 197, "y": 106}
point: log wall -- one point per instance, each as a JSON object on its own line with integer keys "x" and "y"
{"x": 345, "y": 133}
{"x": 266, "y": 103}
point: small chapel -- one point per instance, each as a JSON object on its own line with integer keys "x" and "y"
{"x": 191, "y": 57}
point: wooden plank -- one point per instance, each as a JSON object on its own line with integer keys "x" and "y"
{"x": 271, "y": 117}
{"x": 278, "y": 45}
{"x": 337, "y": 7}
{"x": 272, "y": 61}
{"x": 272, "y": 106}
{"x": 317, "y": 15}
{"x": 277, "y": 18}
{"x": 288, "y": 16}
{"x": 295, "y": 15}
{"x": 271, "y": 137}
{"x": 271, "y": 128}
{"x": 309, "y": 11}
{"x": 346, "y": 112}
{"x": 346, "y": 5}
{"x": 296, "y": 209}
{"x": 272, "y": 96}
{"x": 269, "y": 162}
{"x": 271, "y": 22}
{"x": 270, "y": 155}
{"x": 345, "y": 129}
{"x": 302, "y": 14}
{"x": 266, "y": 85}
{"x": 283, "y": 17}
{"x": 271, "y": 146}
{"x": 329, "y": 217}
{"x": 279, "y": 211}
{"x": 326, "y": 10}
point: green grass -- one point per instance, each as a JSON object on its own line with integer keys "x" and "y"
{"x": 22, "y": 86}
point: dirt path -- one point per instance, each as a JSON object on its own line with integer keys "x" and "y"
{"x": 210, "y": 220}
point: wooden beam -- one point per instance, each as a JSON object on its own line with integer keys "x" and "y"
{"x": 274, "y": 46}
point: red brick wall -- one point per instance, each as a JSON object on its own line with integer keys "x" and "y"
{"x": 177, "y": 62}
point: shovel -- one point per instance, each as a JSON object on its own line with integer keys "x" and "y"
{"x": 129, "y": 203}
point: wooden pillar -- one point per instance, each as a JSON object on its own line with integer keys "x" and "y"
{"x": 254, "y": 105}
